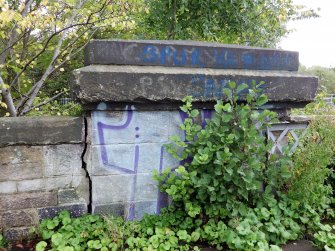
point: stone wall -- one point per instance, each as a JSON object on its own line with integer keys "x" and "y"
{"x": 41, "y": 171}
{"x": 132, "y": 91}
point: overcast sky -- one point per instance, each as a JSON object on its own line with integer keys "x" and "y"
{"x": 314, "y": 39}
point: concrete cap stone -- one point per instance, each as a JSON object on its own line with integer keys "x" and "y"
{"x": 143, "y": 84}
{"x": 41, "y": 130}
{"x": 188, "y": 54}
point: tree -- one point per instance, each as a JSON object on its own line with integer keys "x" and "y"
{"x": 246, "y": 22}
{"x": 326, "y": 77}
{"x": 39, "y": 38}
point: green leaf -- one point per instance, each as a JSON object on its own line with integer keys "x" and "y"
{"x": 194, "y": 113}
{"x": 41, "y": 246}
{"x": 57, "y": 239}
{"x": 261, "y": 100}
{"x": 228, "y": 93}
{"x": 195, "y": 236}
{"x": 232, "y": 84}
{"x": 241, "y": 87}
{"x": 182, "y": 234}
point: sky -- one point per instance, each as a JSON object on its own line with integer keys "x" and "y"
{"x": 314, "y": 38}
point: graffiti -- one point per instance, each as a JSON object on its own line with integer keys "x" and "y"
{"x": 144, "y": 138}
{"x": 202, "y": 57}
{"x": 207, "y": 87}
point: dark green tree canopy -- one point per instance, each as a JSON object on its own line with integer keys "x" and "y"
{"x": 247, "y": 22}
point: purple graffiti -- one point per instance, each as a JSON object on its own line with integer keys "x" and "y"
{"x": 162, "y": 198}
{"x": 131, "y": 212}
{"x": 104, "y": 156}
{"x": 103, "y": 130}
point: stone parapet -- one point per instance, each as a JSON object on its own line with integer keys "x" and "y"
{"x": 191, "y": 54}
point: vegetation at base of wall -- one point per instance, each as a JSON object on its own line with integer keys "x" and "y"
{"x": 229, "y": 193}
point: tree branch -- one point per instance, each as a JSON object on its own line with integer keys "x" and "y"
{"x": 50, "y": 67}
{"x": 42, "y": 103}
{"x": 7, "y": 97}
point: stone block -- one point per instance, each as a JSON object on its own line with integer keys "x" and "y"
{"x": 58, "y": 182}
{"x": 21, "y": 162}
{"x": 18, "y": 218}
{"x": 143, "y": 84}
{"x": 82, "y": 186}
{"x": 123, "y": 188}
{"x": 189, "y": 54}
{"x": 123, "y": 209}
{"x": 75, "y": 210}
{"x": 129, "y": 158}
{"x": 41, "y": 130}
{"x": 113, "y": 127}
{"x": 31, "y": 185}
{"x": 19, "y": 233}
{"x": 27, "y": 200}
{"x": 63, "y": 159}
{"x": 8, "y": 187}
{"x": 69, "y": 196}
{"x": 144, "y": 207}
{"x": 116, "y": 209}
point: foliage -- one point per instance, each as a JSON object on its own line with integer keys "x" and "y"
{"x": 41, "y": 42}
{"x": 260, "y": 23}
{"x": 228, "y": 165}
{"x": 89, "y": 232}
{"x": 56, "y": 109}
{"x": 311, "y": 161}
{"x": 326, "y": 77}
{"x": 3, "y": 242}
{"x": 325, "y": 238}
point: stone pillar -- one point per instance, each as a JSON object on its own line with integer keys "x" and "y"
{"x": 132, "y": 91}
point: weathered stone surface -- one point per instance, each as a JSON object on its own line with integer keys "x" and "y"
{"x": 121, "y": 157}
{"x": 27, "y": 200}
{"x": 50, "y": 212}
{"x": 64, "y": 159}
{"x": 189, "y": 54}
{"x": 140, "y": 208}
{"x": 69, "y": 196}
{"x": 41, "y": 130}
{"x": 47, "y": 184}
{"x": 141, "y": 84}
{"x": 18, "y": 218}
{"x": 123, "y": 188}
{"x": 144, "y": 207}
{"x": 19, "y": 233}
{"x": 125, "y": 127}
{"x": 21, "y": 162}
{"x": 8, "y": 187}
{"x": 116, "y": 209}
{"x": 31, "y": 185}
